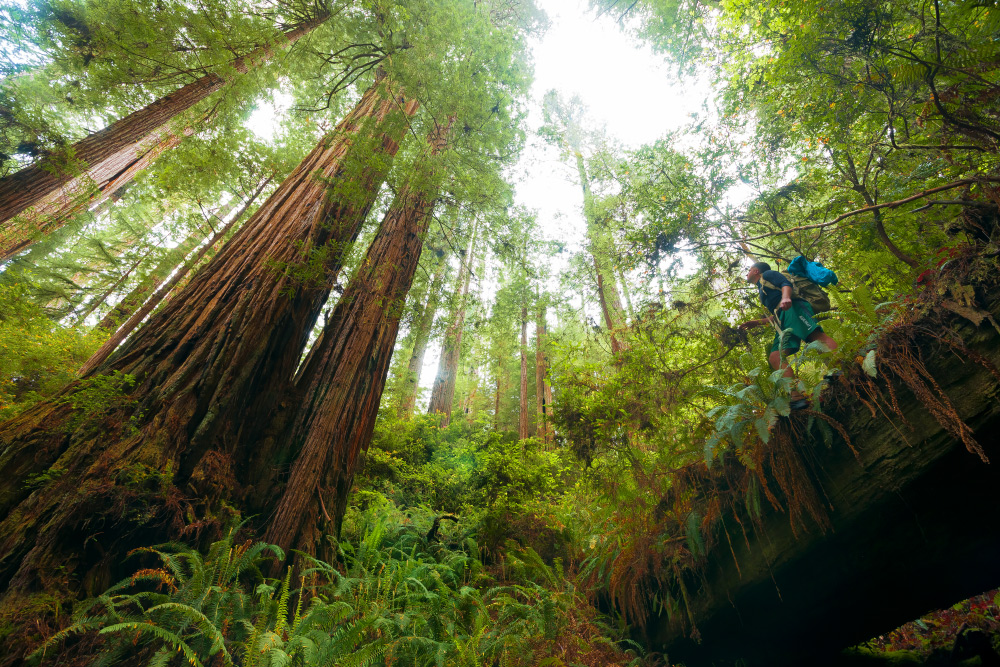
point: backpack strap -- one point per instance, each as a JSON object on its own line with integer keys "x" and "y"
{"x": 769, "y": 285}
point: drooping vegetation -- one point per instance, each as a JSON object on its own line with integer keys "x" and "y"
{"x": 217, "y": 444}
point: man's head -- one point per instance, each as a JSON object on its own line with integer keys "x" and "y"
{"x": 753, "y": 275}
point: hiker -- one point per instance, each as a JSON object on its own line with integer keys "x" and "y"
{"x": 784, "y": 312}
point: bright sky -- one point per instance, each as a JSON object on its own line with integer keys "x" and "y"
{"x": 625, "y": 87}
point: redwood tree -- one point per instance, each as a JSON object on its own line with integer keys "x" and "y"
{"x": 342, "y": 386}
{"x": 158, "y": 426}
{"x": 38, "y": 199}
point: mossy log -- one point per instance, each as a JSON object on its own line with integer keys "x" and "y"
{"x": 913, "y": 520}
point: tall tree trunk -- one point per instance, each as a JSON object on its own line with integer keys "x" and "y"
{"x": 523, "y": 421}
{"x": 158, "y": 296}
{"x": 543, "y": 391}
{"x": 198, "y": 380}
{"x": 40, "y": 198}
{"x": 607, "y": 292}
{"x": 443, "y": 391}
{"x": 496, "y": 406}
{"x": 421, "y": 336}
{"x": 342, "y": 387}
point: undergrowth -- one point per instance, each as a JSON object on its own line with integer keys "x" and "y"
{"x": 393, "y": 598}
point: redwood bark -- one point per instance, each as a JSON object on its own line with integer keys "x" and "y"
{"x": 523, "y": 421}
{"x": 543, "y": 391}
{"x": 343, "y": 384}
{"x": 443, "y": 390}
{"x": 422, "y": 334}
{"x": 40, "y": 198}
{"x": 207, "y": 370}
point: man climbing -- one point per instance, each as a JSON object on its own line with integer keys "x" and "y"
{"x": 775, "y": 291}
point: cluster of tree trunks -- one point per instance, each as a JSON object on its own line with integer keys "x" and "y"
{"x": 443, "y": 390}
{"x": 343, "y": 381}
{"x": 163, "y": 437}
{"x": 421, "y": 336}
{"x": 41, "y": 198}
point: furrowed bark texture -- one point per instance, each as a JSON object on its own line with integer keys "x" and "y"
{"x": 522, "y": 421}
{"x": 207, "y": 368}
{"x": 543, "y": 390}
{"x": 40, "y": 198}
{"x": 422, "y": 335}
{"x": 343, "y": 385}
{"x": 443, "y": 390}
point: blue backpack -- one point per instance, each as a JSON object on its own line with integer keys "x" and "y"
{"x": 814, "y": 271}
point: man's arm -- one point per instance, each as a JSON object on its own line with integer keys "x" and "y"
{"x": 786, "y": 297}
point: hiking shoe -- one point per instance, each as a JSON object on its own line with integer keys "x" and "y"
{"x": 799, "y": 404}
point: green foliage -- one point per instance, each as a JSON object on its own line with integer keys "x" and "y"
{"x": 756, "y": 403}
{"x": 394, "y": 598}
{"x": 37, "y": 356}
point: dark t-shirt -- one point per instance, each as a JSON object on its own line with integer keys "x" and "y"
{"x": 771, "y": 297}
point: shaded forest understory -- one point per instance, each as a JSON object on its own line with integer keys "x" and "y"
{"x": 215, "y": 447}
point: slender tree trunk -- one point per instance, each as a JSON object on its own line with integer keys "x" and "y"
{"x": 39, "y": 198}
{"x": 99, "y": 301}
{"x": 496, "y": 407}
{"x": 172, "y": 434}
{"x": 443, "y": 391}
{"x": 627, "y": 295}
{"x": 467, "y": 403}
{"x": 523, "y": 421}
{"x": 158, "y": 296}
{"x": 421, "y": 336}
{"x": 607, "y": 292}
{"x": 149, "y": 284}
{"x": 343, "y": 384}
{"x": 543, "y": 391}
{"x": 173, "y": 259}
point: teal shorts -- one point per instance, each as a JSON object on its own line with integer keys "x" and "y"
{"x": 798, "y": 318}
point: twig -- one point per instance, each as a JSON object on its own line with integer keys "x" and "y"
{"x": 850, "y": 214}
